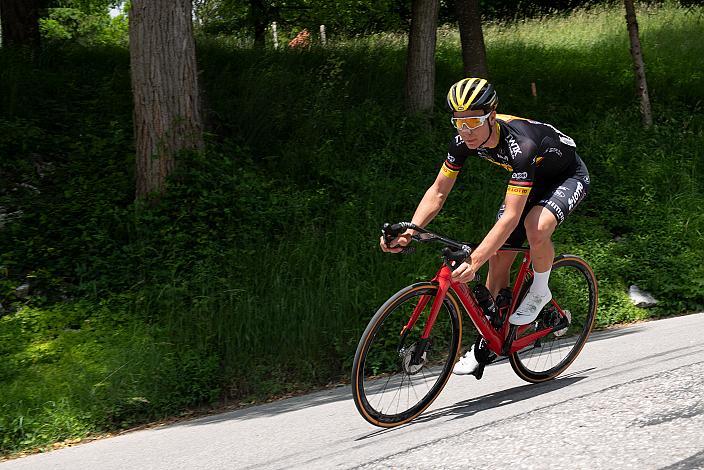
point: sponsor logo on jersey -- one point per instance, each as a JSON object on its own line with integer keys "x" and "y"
{"x": 513, "y": 146}
{"x": 576, "y": 197}
{"x": 559, "y": 193}
{"x": 517, "y": 190}
{"x": 554, "y": 150}
{"x": 505, "y": 166}
{"x": 458, "y": 140}
{"x": 586, "y": 179}
{"x": 564, "y": 188}
{"x": 450, "y": 158}
{"x": 519, "y": 176}
{"x": 487, "y": 155}
{"x": 558, "y": 212}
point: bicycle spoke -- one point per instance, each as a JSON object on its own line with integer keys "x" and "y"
{"x": 388, "y": 390}
{"x": 573, "y": 288}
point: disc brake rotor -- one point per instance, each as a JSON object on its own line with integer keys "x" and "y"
{"x": 406, "y": 355}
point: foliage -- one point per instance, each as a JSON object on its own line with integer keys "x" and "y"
{"x": 76, "y": 26}
{"x": 216, "y": 17}
{"x": 356, "y": 17}
{"x": 83, "y": 367}
{"x": 256, "y": 273}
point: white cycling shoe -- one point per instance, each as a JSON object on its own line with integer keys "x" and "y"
{"x": 467, "y": 363}
{"x": 530, "y": 308}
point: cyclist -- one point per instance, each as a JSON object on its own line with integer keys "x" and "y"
{"x": 548, "y": 180}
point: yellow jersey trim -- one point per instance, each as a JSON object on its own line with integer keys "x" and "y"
{"x": 509, "y": 118}
{"x": 448, "y": 172}
{"x": 517, "y": 190}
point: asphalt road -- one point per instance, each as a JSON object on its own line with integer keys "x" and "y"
{"x": 633, "y": 399}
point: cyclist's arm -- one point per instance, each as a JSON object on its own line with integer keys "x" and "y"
{"x": 433, "y": 200}
{"x": 519, "y": 186}
{"x": 427, "y": 209}
{"x": 436, "y": 195}
{"x": 501, "y": 230}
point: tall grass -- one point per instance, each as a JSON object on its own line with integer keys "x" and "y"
{"x": 257, "y": 272}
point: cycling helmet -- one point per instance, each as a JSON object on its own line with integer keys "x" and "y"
{"x": 472, "y": 93}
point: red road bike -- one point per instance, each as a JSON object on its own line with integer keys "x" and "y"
{"x": 410, "y": 346}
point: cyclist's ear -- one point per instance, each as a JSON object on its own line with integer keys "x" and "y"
{"x": 492, "y": 118}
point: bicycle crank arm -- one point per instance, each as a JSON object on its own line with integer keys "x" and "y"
{"x": 564, "y": 323}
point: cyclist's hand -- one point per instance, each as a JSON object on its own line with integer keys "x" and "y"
{"x": 464, "y": 273}
{"x": 398, "y": 243}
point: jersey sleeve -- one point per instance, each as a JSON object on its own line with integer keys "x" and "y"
{"x": 523, "y": 175}
{"x": 457, "y": 153}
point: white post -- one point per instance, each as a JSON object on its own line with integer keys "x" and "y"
{"x": 322, "y": 34}
{"x": 276, "y": 37}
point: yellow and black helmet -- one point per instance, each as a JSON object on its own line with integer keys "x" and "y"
{"x": 472, "y": 93}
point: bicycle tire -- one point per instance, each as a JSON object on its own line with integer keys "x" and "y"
{"x": 566, "y": 271}
{"x": 365, "y": 377}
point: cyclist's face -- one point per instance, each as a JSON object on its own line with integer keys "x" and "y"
{"x": 474, "y": 137}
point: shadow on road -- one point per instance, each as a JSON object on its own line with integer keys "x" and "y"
{"x": 694, "y": 461}
{"x": 283, "y": 406}
{"x": 614, "y": 333}
{"x": 343, "y": 392}
{"x": 472, "y": 406}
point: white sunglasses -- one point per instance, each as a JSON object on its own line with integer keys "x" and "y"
{"x": 470, "y": 122}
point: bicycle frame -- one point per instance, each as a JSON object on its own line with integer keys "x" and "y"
{"x": 496, "y": 339}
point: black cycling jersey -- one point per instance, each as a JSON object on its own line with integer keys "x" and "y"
{"x": 543, "y": 164}
{"x": 536, "y": 153}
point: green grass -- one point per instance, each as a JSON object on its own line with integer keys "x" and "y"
{"x": 79, "y": 368}
{"x": 256, "y": 274}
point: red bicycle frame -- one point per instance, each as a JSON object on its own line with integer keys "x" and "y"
{"x": 496, "y": 339}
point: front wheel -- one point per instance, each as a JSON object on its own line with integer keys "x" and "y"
{"x": 574, "y": 293}
{"x": 390, "y": 384}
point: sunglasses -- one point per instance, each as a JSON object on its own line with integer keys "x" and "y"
{"x": 470, "y": 123}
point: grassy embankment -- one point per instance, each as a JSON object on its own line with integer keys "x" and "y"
{"x": 258, "y": 271}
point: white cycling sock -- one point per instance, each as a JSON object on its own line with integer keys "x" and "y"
{"x": 540, "y": 282}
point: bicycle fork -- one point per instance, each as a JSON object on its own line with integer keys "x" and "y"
{"x": 423, "y": 344}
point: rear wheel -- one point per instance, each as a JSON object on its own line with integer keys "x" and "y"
{"x": 574, "y": 291}
{"x": 390, "y": 384}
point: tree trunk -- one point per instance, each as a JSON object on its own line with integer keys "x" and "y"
{"x": 638, "y": 64}
{"x": 420, "y": 65}
{"x": 167, "y": 117}
{"x": 20, "y": 22}
{"x": 472, "y": 39}
{"x": 259, "y": 21}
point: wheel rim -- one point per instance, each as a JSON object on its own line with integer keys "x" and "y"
{"x": 574, "y": 291}
{"x": 392, "y": 388}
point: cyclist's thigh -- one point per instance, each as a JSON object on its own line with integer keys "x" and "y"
{"x": 518, "y": 237}
{"x": 564, "y": 197}
{"x": 540, "y": 221}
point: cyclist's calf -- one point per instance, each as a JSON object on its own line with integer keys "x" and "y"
{"x": 499, "y": 271}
